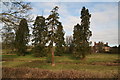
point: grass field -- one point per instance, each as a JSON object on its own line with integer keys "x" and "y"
{"x": 104, "y": 65}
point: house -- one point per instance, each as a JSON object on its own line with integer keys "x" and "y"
{"x": 106, "y": 49}
{"x": 100, "y": 47}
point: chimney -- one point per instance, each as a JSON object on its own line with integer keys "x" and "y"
{"x": 107, "y": 43}
{"x": 94, "y": 43}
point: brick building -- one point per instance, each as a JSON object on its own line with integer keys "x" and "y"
{"x": 100, "y": 47}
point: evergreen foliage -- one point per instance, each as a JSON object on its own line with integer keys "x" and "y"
{"x": 22, "y": 37}
{"x": 77, "y": 40}
{"x": 53, "y": 24}
{"x": 39, "y": 36}
{"x": 81, "y": 35}
{"x": 50, "y": 32}
{"x": 59, "y": 48}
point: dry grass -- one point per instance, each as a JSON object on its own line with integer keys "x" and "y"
{"x": 42, "y": 73}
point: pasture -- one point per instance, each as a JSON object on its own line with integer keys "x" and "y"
{"x": 96, "y": 65}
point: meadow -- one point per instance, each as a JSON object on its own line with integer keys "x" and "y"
{"x": 96, "y": 65}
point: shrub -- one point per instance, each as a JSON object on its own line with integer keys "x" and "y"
{"x": 39, "y": 51}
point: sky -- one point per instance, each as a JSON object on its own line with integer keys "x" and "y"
{"x": 72, "y": 0}
{"x": 104, "y": 18}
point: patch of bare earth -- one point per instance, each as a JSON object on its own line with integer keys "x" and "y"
{"x": 106, "y": 63}
{"x": 8, "y": 54}
{"x": 112, "y": 63}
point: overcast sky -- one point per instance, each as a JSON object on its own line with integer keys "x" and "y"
{"x": 104, "y": 16}
{"x": 104, "y": 19}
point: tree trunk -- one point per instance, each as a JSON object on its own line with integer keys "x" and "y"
{"x": 53, "y": 62}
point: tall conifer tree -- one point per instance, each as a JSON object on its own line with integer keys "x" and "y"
{"x": 59, "y": 50}
{"x": 53, "y": 24}
{"x": 22, "y": 37}
{"x": 77, "y": 40}
{"x": 82, "y": 35}
{"x": 39, "y": 36}
{"x": 85, "y": 24}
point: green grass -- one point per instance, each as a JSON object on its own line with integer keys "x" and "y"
{"x": 62, "y": 63}
{"x": 102, "y": 57}
{"x": 66, "y": 62}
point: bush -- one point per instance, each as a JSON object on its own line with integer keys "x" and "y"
{"x": 59, "y": 51}
{"x": 39, "y": 51}
{"x": 49, "y": 58}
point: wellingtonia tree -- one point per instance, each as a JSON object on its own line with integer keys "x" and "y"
{"x": 59, "y": 49}
{"x": 85, "y": 24}
{"x": 82, "y": 35}
{"x": 22, "y": 37}
{"x": 39, "y": 36}
{"x": 77, "y": 41}
{"x": 52, "y": 24}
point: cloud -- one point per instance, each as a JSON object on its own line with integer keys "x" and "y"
{"x": 107, "y": 14}
{"x": 109, "y": 35}
{"x": 67, "y": 19}
{"x": 69, "y": 23}
{"x": 104, "y": 24}
{"x": 72, "y": 0}
{"x": 104, "y": 18}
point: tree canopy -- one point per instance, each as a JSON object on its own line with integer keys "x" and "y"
{"x": 82, "y": 34}
{"x": 59, "y": 47}
{"x": 39, "y": 36}
{"x": 22, "y": 37}
{"x": 53, "y": 24}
